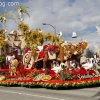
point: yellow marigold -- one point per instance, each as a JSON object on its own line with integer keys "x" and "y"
{"x": 2, "y": 39}
{"x": 20, "y": 25}
{"x": 23, "y": 26}
{"x": 1, "y": 35}
{"x": 48, "y": 36}
{"x": 2, "y": 31}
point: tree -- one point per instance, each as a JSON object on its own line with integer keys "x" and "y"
{"x": 21, "y": 10}
{"x": 97, "y": 49}
{"x": 89, "y": 53}
{"x": 5, "y": 15}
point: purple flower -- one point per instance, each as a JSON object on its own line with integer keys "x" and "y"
{"x": 26, "y": 50}
{"x": 51, "y": 49}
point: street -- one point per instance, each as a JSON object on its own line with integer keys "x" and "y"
{"x": 22, "y": 93}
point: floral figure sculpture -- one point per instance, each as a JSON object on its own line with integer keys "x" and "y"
{"x": 13, "y": 66}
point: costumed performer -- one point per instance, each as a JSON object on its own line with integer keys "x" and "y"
{"x": 13, "y": 63}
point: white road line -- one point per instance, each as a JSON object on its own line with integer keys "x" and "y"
{"x": 30, "y": 95}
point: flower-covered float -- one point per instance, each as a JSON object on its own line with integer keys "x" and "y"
{"x": 36, "y": 64}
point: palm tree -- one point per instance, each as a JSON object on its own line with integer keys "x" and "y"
{"x": 5, "y": 15}
{"x": 98, "y": 30}
{"x": 21, "y": 10}
{"x": 97, "y": 49}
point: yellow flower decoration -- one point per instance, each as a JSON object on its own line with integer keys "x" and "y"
{"x": 23, "y": 27}
{"x": 48, "y": 36}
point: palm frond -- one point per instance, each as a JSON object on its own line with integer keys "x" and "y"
{"x": 8, "y": 15}
{"x": 23, "y": 8}
{"x": 96, "y": 47}
{"x": 16, "y": 9}
{"x": 26, "y": 13}
{"x": 1, "y": 17}
{"x": 98, "y": 30}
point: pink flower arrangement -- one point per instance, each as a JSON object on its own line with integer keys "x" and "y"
{"x": 26, "y": 50}
{"x": 53, "y": 49}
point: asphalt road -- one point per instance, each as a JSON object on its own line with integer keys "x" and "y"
{"x": 22, "y": 93}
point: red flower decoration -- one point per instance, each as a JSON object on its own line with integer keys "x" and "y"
{"x": 45, "y": 47}
{"x": 82, "y": 71}
{"x": 92, "y": 72}
{"x": 41, "y": 54}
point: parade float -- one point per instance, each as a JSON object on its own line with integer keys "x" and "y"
{"x": 26, "y": 61}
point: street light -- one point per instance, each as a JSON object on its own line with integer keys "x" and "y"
{"x": 74, "y": 35}
{"x": 51, "y": 26}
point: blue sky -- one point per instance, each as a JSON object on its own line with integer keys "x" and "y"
{"x": 81, "y": 15}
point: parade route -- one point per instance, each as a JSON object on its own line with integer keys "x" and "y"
{"x": 22, "y": 93}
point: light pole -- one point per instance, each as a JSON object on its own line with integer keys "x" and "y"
{"x": 51, "y": 26}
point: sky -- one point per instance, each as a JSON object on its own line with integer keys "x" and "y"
{"x": 81, "y": 16}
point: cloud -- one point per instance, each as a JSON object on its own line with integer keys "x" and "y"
{"x": 81, "y": 15}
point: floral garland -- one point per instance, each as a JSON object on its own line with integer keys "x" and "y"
{"x": 55, "y": 84}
